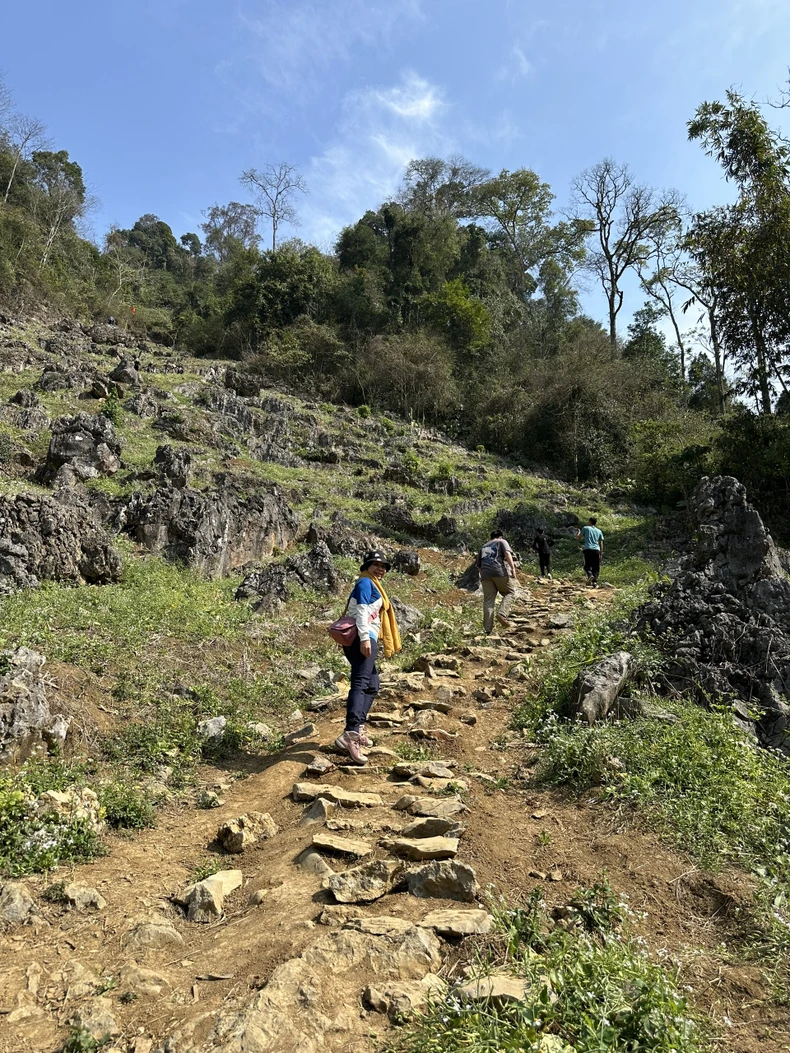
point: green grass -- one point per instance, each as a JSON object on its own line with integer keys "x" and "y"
{"x": 94, "y": 625}
{"x": 592, "y": 989}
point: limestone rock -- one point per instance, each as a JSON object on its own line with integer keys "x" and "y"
{"x": 459, "y": 922}
{"x": 308, "y": 791}
{"x": 381, "y": 925}
{"x": 27, "y": 725}
{"x": 318, "y": 766}
{"x": 52, "y": 539}
{"x": 77, "y": 804}
{"x": 499, "y": 989}
{"x": 597, "y": 689}
{"x": 444, "y": 879}
{"x": 174, "y": 466}
{"x": 205, "y": 900}
{"x": 142, "y": 981}
{"x": 96, "y": 1017}
{"x": 152, "y": 934}
{"x": 238, "y": 834}
{"x": 368, "y": 882}
{"x": 211, "y": 532}
{"x": 409, "y": 618}
{"x": 421, "y": 848}
{"x": 16, "y": 903}
{"x": 406, "y": 561}
{"x": 433, "y": 826}
{"x": 318, "y": 812}
{"x": 328, "y": 842}
{"x": 270, "y": 588}
{"x": 87, "y": 445}
{"x": 305, "y": 732}
{"x": 401, "y": 999}
{"x": 82, "y": 897}
{"x": 445, "y": 808}
{"x": 212, "y": 730}
{"x": 311, "y": 861}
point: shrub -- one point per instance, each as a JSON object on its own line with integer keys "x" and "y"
{"x": 125, "y": 807}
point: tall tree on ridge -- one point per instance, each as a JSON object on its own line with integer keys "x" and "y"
{"x": 275, "y": 187}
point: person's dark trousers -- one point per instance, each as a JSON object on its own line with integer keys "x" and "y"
{"x": 592, "y": 562}
{"x": 364, "y": 684}
{"x": 545, "y": 563}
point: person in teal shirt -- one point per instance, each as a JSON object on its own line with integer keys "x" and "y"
{"x": 592, "y": 544}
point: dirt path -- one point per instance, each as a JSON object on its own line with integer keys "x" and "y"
{"x": 515, "y": 839}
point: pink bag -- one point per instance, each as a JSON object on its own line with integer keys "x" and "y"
{"x": 344, "y": 630}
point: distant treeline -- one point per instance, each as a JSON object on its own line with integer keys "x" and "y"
{"x": 457, "y": 302}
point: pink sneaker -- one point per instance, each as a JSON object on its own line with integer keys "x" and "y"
{"x": 365, "y": 740}
{"x": 349, "y": 742}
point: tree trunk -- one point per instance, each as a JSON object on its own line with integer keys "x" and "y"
{"x": 762, "y": 365}
{"x": 717, "y": 358}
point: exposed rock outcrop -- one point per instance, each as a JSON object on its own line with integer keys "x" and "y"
{"x": 44, "y": 538}
{"x": 597, "y": 689}
{"x": 27, "y": 725}
{"x": 725, "y": 619}
{"x": 86, "y": 445}
{"x": 270, "y": 586}
{"x": 214, "y": 533}
{"x": 174, "y": 466}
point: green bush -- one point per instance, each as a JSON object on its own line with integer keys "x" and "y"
{"x": 126, "y": 807}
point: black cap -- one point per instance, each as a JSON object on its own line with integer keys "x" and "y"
{"x": 375, "y": 556}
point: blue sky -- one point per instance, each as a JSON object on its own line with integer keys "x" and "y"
{"x": 165, "y": 102}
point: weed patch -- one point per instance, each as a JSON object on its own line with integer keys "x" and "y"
{"x": 589, "y": 989}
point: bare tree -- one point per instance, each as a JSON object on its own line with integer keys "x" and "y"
{"x": 6, "y": 104}
{"x": 127, "y": 264}
{"x": 275, "y": 187}
{"x": 23, "y": 136}
{"x": 621, "y": 215}
{"x": 659, "y": 274}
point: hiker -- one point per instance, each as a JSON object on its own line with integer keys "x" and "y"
{"x": 498, "y": 577}
{"x": 377, "y": 628}
{"x": 542, "y": 545}
{"x": 592, "y": 544}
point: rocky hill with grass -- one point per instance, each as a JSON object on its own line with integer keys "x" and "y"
{"x": 185, "y": 863}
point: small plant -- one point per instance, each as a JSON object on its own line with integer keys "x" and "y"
{"x": 206, "y": 869}
{"x": 128, "y": 997}
{"x": 82, "y": 1041}
{"x": 544, "y": 838}
{"x": 112, "y": 408}
{"x": 363, "y": 411}
{"x": 107, "y": 983}
{"x": 409, "y": 752}
{"x": 125, "y": 807}
{"x": 55, "y": 893}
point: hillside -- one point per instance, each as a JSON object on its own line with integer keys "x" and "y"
{"x": 177, "y": 534}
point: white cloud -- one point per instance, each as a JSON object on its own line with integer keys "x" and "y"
{"x": 294, "y": 44}
{"x": 517, "y": 66}
{"x": 380, "y": 131}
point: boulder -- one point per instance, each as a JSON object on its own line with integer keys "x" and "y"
{"x": 470, "y": 579}
{"x": 151, "y": 934}
{"x": 55, "y": 539}
{"x": 85, "y": 445}
{"x": 421, "y": 848}
{"x": 145, "y": 982}
{"x": 455, "y": 923}
{"x": 311, "y": 861}
{"x": 725, "y": 618}
{"x": 211, "y": 532}
{"x": 340, "y": 537}
{"x": 431, "y": 827}
{"x": 238, "y": 834}
{"x": 270, "y": 587}
{"x": 444, "y": 879}
{"x": 329, "y": 842}
{"x": 82, "y": 897}
{"x": 247, "y": 385}
{"x": 212, "y": 730}
{"x": 401, "y": 999}
{"x": 16, "y": 903}
{"x": 308, "y": 791}
{"x": 127, "y": 372}
{"x": 368, "y": 882}
{"x": 409, "y": 618}
{"x": 205, "y": 900}
{"x": 96, "y": 1017}
{"x": 27, "y": 725}
{"x": 406, "y": 561}
{"x": 498, "y": 989}
{"x": 174, "y": 466}
{"x": 430, "y": 807}
{"x": 318, "y": 812}
{"x": 597, "y": 689}
{"x": 73, "y": 805}
{"x": 143, "y": 404}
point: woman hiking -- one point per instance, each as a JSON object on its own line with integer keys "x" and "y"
{"x": 377, "y": 628}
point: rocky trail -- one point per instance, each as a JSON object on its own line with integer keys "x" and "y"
{"x": 347, "y": 896}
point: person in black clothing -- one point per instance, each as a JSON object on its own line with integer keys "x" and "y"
{"x": 542, "y": 545}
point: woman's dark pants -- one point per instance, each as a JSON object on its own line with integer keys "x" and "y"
{"x": 364, "y": 684}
